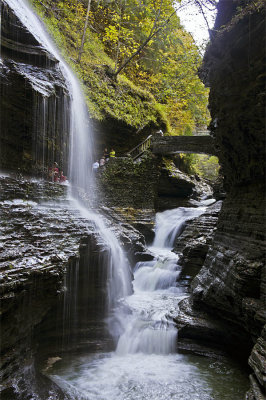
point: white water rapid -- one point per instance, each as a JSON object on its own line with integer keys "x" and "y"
{"x": 170, "y": 224}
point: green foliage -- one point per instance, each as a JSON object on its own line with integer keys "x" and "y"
{"x": 205, "y": 166}
{"x": 159, "y": 86}
{"x": 122, "y": 100}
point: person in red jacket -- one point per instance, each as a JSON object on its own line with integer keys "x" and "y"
{"x": 62, "y": 178}
{"x": 54, "y": 173}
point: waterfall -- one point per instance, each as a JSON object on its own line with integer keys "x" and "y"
{"x": 80, "y": 157}
{"x": 169, "y": 224}
{"x": 81, "y": 139}
{"x": 151, "y": 330}
{"x": 145, "y": 364}
{"x": 142, "y": 329}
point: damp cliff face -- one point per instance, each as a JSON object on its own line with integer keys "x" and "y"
{"x": 232, "y": 281}
{"x": 34, "y": 97}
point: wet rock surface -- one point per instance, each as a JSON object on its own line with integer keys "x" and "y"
{"x": 128, "y": 225}
{"x": 144, "y": 186}
{"x": 37, "y": 242}
{"x": 232, "y": 281}
{"x": 45, "y": 246}
{"x": 32, "y": 88}
{"x": 36, "y": 234}
{"x": 194, "y": 242}
{"x": 257, "y": 361}
{"x": 125, "y": 183}
{"x": 176, "y": 188}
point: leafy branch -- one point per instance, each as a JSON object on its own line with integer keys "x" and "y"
{"x": 153, "y": 32}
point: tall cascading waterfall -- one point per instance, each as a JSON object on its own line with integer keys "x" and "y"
{"x": 80, "y": 155}
{"x": 74, "y": 115}
{"x": 34, "y": 121}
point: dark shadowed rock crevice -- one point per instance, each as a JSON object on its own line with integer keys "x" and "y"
{"x": 35, "y": 251}
{"x": 147, "y": 184}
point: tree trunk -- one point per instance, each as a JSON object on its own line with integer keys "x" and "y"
{"x": 84, "y": 31}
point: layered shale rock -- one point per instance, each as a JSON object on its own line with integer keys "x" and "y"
{"x": 125, "y": 183}
{"x": 147, "y": 185}
{"x": 34, "y": 97}
{"x": 232, "y": 282}
{"x": 176, "y": 188}
{"x": 37, "y": 242}
{"x": 53, "y": 281}
{"x": 130, "y": 189}
{"x": 194, "y": 242}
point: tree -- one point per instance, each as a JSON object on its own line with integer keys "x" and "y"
{"x": 156, "y": 28}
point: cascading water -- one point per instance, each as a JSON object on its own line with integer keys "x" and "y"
{"x": 145, "y": 364}
{"x": 170, "y": 224}
{"x": 81, "y": 147}
{"x": 81, "y": 154}
{"x": 151, "y": 330}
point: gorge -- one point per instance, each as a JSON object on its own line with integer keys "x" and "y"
{"x": 62, "y": 321}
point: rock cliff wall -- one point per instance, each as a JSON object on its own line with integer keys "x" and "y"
{"x": 34, "y": 99}
{"x": 53, "y": 282}
{"x": 37, "y": 242}
{"x": 232, "y": 281}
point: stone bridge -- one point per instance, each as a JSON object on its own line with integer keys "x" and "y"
{"x": 183, "y": 144}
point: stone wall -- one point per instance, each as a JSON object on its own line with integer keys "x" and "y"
{"x": 37, "y": 244}
{"x": 53, "y": 282}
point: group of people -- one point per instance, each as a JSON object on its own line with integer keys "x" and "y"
{"x": 56, "y": 175}
{"x": 103, "y": 160}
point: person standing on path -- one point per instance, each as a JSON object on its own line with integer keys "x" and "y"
{"x": 95, "y": 166}
{"x": 112, "y": 153}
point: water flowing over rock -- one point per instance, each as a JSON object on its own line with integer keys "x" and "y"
{"x": 115, "y": 279}
{"x": 37, "y": 243}
{"x": 195, "y": 240}
{"x": 34, "y": 97}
